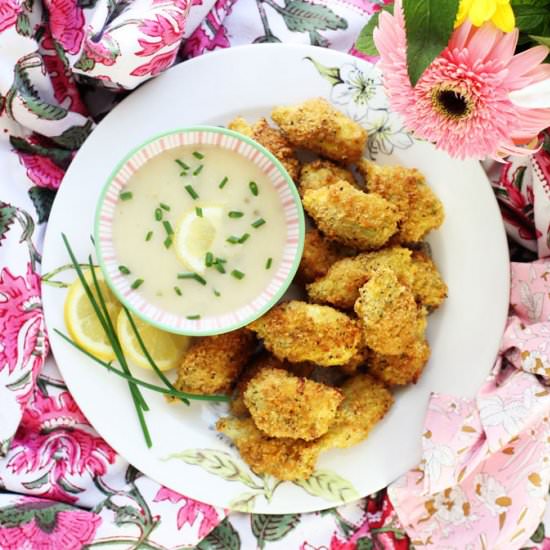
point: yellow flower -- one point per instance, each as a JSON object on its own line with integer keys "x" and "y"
{"x": 499, "y": 12}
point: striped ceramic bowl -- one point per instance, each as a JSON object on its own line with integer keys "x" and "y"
{"x": 277, "y": 177}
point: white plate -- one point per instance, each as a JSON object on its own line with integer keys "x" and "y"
{"x": 470, "y": 250}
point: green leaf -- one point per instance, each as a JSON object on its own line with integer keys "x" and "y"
{"x": 364, "y": 543}
{"x": 44, "y": 512}
{"x": 219, "y": 463}
{"x": 271, "y": 528}
{"x": 533, "y": 18}
{"x": 37, "y": 483}
{"x": 7, "y": 217}
{"x": 60, "y": 156}
{"x": 329, "y": 485}
{"x": 365, "y": 43}
{"x": 543, "y": 40}
{"x": 23, "y": 25}
{"x": 331, "y": 74}
{"x": 43, "y": 109}
{"x": 429, "y": 25}
{"x": 42, "y": 198}
{"x": 69, "y": 487}
{"x": 74, "y": 137}
{"x": 223, "y": 537}
{"x": 84, "y": 63}
{"x": 244, "y": 502}
{"x": 21, "y": 382}
{"x": 301, "y": 16}
{"x": 539, "y": 534}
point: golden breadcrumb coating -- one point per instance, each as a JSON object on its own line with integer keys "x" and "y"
{"x": 391, "y": 318}
{"x": 361, "y": 220}
{"x": 340, "y": 286}
{"x": 213, "y": 363}
{"x": 284, "y": 405}
{"x": 358, "y": 360}
{"x": 366, "y": 401}
{"x": 422, "y": 211}
{"x": 320, "y": 173}
{"x": 399, "y": 370}
{"x": 428, "y": 285}
{"x": 298, "y": 332}
{"x": 273, "y": 140}
{"x": 319, "y": 254}
{"x": 286, "y": 459}
{"x": 316, "y": 125}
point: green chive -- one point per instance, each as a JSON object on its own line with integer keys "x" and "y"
{"x": 192, "y": 192}
{"x": 177, "y": 290}
{"x": 164, "y": 206}
{"x": 258, "y": 223}
{"x": 182, "y": 164}
{"x": 198, "y": 211}
{"x": 218, "y": 264}
{"x": 216, "y": 293}
{"x": 253, "y": 188}
{"x": 167, "y": 242}
{"x": 244, "y": 238}
{"x": 136, "y": 284}
{"x": 198, "y": 170}
{"x": 149, "y": 235}
{"x": 223, "y": 182}
{"x": 158, "y": 214}
{"x": 233, "y": 239}
{"x": 235, "y": 214}
{"x": 193, "y": 317}
{"x": 126, "y": 196}
{"x": 168, "y": 227}
{"x": 194, "y": 276}
{"x": 268, "y": 263}
{"x": 237, "y": 274}
{"x": 209, "y": 259}
{"x": 198, "y": 155}
{"x": 124, "y": 270}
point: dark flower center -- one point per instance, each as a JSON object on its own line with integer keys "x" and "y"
{"x": 451, "y": 103}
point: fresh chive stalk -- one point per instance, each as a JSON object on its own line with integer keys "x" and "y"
{"x": 258, "y": 223}
{"x": 216, "y": 293}
{"x": 137, "y": 283}
{"x": 198, "y": 170}
{"x": 164, "y": 206}
{"x": 268, "y": 263}
{"x": 193, "y": 276}
{"x": 177, "y": 290}
{"x": 198, "y": 155}
{"x": 223, "y": 182}
{"x": 244, "y": 238}
{"x": 124, "y": 270}
{"x": 158, "y": 214}
{"x": 232, "y": 239}
{"x": 218, "y": 264}
{"x": 208, "y": 259}
{"x": 253, "y": 186}
{"x": 168, "y": 227}
{"x": 198, "y": 211}
{"x": 237, "y": 274}
{"x": 126, "y": 195}
{"x": 194, "y": 195}
{"x": 193, "y": 317}
{"x": 235, "y": 214}
{"x": 167, "y": 242}
{"x": 182, "y": 164}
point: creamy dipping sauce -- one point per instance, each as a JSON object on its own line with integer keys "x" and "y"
{"x": 199, "y": 231}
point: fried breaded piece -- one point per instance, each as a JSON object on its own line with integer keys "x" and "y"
{"x": 399, "y": 370}
{"x": 428, "y": 285}
{"x": 284, "y": 405}
{"x": 366, "y": 401}
{"x": 422, "y": 211}
{"x": 358, "y": 360}
{"x": 213, "y": 363}
{"x": 361, "y": 220}
{"x": 316, "y": 125}
{"x": 340, "y": 286}
{"x": 320, "y": 173}
{"x": 319, "y": 254}
{"x": 286, "y": 459}
{"x": 298, "y": 332}
{"x": 391, "y": 318}
{"x": 272, "y": 139}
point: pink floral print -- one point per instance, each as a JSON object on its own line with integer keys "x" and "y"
{"x": 66, "y": 23}
{"x": 9, "y": 10}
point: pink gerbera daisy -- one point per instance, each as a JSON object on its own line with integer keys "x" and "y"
{"x": 461, "y": 102}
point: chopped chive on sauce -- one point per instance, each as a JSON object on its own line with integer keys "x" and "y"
{"x": 158, "y": 214}
{"x": 268, "y": 263}
{"x": 216, "y": 293}
{"x": 218, "y": 264}
{"x": 253, "y": 186}
{"x": 233, "y": 239}
{"x": 237, "y": 274}
{"x": 182, "y": 164}
{"x": 198, "y": 155}
{"x": 198, "y": 211}
{"x": 192, "y": 192}
{"x": 235, "y": 214}
{"x": 244, "y": 238}
{"x": 258, "y": 223}
{"x": 194, "y": 276}
{"x": 168, "y": 227}
{"x": 198, "y": 170}
{"x": 223, "y": 182}
{"x": 178, "y": 291}
{"x": 137, "y": 283}
{"x": 164, "y": 206}
{"x": 168, "y": 242}
{"x": 149, "y": 235}
{"x": 193, "y": 317}
{"x": 208, "y": 259}
{"x": 126, "y": 196}
{"x": 124, "y": 270}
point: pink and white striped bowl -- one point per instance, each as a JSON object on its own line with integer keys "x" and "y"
{"x": 247, "y": 312}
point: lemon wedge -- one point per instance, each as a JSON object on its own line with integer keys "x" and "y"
{"x": 195, "y": 236}
{"x": 81, "y": 320}
{"x": 166, "y": 349}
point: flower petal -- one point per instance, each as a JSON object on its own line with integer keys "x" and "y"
{"x": 481, "y": 11}
{"x": 504, "y": 18}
